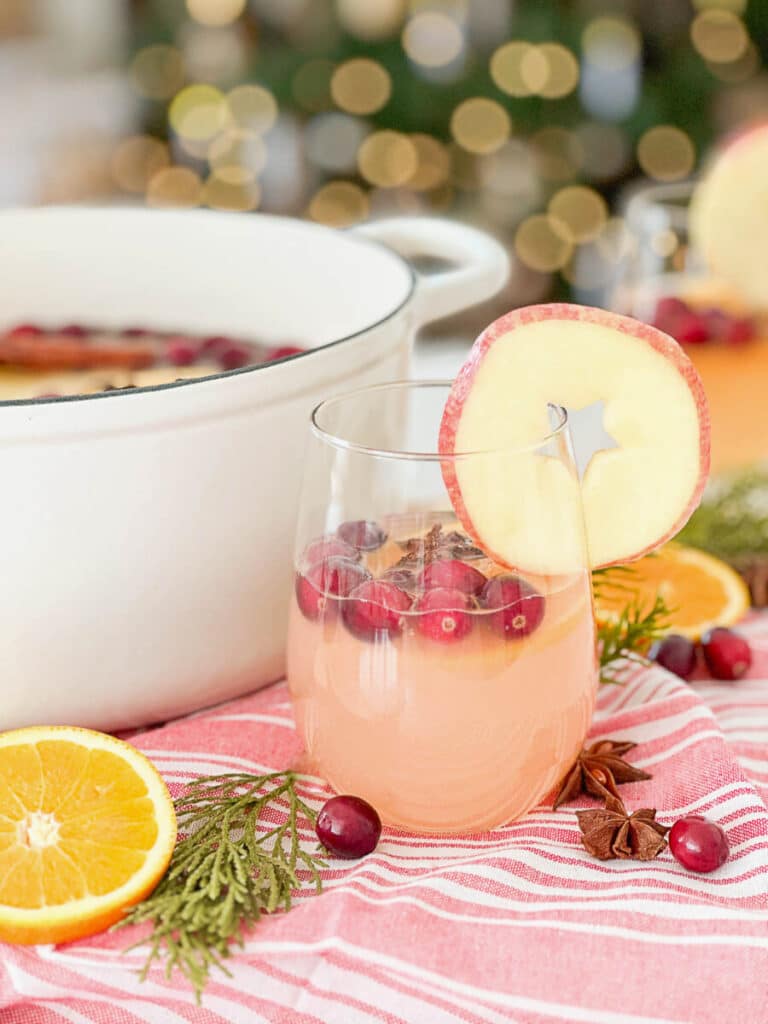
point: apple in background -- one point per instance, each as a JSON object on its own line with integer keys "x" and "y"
{"x": 728, "y": 219}
{"x": 523, "y": 506}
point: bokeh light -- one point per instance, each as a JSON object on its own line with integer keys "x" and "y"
{"x": 252, "y": 108}
{"x": 157, "y": 72}
{"x": 370, "y": 19}
{"x": 582, "y": 211}
{"x": 333, "y": 140}
{"x": 507, "y": 67}
{"x": 664, "y": 243}
{"x": 432, "y": 39}
{"x": 198, "y": 112}
{"x": 480, "y": 125}
{"x": 387, "y": 159}
{"x": 361, "y": 86}
{"x": 562, "y": 71}
{"x": 237, "y": 157}
{"x": 226, "y": 195}
{"x": 719, "y": 36}
{"x": 136, "y": 160}
{"x": 215, "y": 12}
{"x": 433, "y": 163}
{"x": 610, "y": 42}
{"x": 666, "y": 153}
{"x": 339, "y": 204}
{"x": 175, "y": 186}
{"x": 311, "y": 85}
{"x": 542, "y": 243}
{"x": 559, "y": 153}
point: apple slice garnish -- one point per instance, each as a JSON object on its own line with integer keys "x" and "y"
{"x": 521, "y": 503}
{"x": 728, "y": 220}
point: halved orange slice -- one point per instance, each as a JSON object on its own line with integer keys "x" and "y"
{"x": 87, "y": 829}
{"x": 701, "y": 591}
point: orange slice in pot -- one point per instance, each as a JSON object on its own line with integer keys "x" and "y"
{"x": 87, "y": 829}
{"x": 701, "y": 591}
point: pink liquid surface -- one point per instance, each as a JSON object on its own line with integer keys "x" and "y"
{"x": 448, "y": 737}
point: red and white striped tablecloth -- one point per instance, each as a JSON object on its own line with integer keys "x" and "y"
{"x": 519, "y": 924}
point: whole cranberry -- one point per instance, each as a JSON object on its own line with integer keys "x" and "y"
{"x": 233, "y": 356}
{"x": 73, "y": 331}
{"x": 215, "y": 344}
{"x": 517, "y": 607}
{"x": 332, "y": 578}
{"x": 452, "y": 574}
{"x": 134, "y": 332}
{"x": 738, "y": 331}
{"x": 327, "y": 547}
{"x": 348, "y": 827}
{"x": 25, "y": 330}
{"x": 375, "y": 609}
{"x": 691, "y": 329}
{"x": 676, "y": 654}
{"x": 727, "y": 654}
{"x": 181, "y": 351}
{"x": 698, "y": 844}
{"x": 444, "y": 614}
{"x": 669, "y": 309}
{"x": 363, "y": 534}
{"x": 283, "y": 352}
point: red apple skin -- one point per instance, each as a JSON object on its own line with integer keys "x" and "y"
{"x": 659, "y": 341}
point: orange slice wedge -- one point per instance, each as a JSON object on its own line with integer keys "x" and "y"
{"x": 701, "y": 591}
{"x": 87, "y": 828}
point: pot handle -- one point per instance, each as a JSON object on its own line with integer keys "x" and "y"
{"x": 481, "y": 263}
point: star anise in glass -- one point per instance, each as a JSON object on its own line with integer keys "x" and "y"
{"x": 436, "y": 544}
{"x": 613, "y": 832}
{"x": 598, "y": 770}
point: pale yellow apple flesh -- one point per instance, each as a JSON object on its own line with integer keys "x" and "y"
{"x": 729, "y": 215}
{"x": 524, "y": 507}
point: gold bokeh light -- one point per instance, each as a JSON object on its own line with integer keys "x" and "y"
{"x": 226, "y": 195}
{"x": 361, "y": 86}
{"x": 215, "y": 13}
{"x": 198, "y": 112}
{"x": 339, "y": 204}
{"x": 719, "y": 36}
{"x": 666, "y": 153}
{"x": 157, "y": 72}
{"x": 136, "y": 160}
{"x": 542, "y": 243}
{"x": 370, "y": 19}
{"x": 434, "y": 163}
{"x": 175, "y": 186}
{"x": 610, "y": 42}
{"x": 252, "y": 108}
{"x": 432, "y": 39}
{"x": 237, "y": 157}
{"x": 582, "y": 211}
{"x": 562, "y": 71}
{"x": 480, "y": 125}
{"x": 507, "y": 65}
{"x": 387, "y": 159}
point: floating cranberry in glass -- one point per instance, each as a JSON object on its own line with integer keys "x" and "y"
{"x": 348, "y": 827}
{"x": 676, "y": 654}
{"x": 375, "y": 609}
{"x": 738, "y": 331}
{"x": 24, "y": 330}
{"x": 327, "y": 547}
{"x": 134, "y": 332}
{"x": 332, "y": 578}
{"x": 363, "y": 534}
{"x": 668, "y": 310}
{"x": 214, "y": 344}
{"x": 73, "y": 331}
{"x": 517, "y": 607}
{"x": 691, "y": 329}
{"x": 698, "y": 844}
{"x": 444, "y": 615}
{"x": 727, "y": 654}
{"x": 452, "y": 574}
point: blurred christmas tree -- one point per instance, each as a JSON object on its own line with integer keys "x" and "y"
{"x": 525, "y": 116}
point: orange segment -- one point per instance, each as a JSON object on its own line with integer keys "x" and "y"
{"x": 87, "y": 829}
{"x": 701, "y": 591}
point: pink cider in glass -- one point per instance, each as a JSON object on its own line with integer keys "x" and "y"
{"x": 452, "y": 699}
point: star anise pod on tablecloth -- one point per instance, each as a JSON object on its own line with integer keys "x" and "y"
{"x": 598, "y": 770}
{"x": 613, "y": 832}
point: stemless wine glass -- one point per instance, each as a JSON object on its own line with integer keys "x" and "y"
{"x": 664, "y": 281}
{"x": 450, "y": 692}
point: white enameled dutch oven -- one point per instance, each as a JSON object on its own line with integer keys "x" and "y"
{"x": 147, "y": 534}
